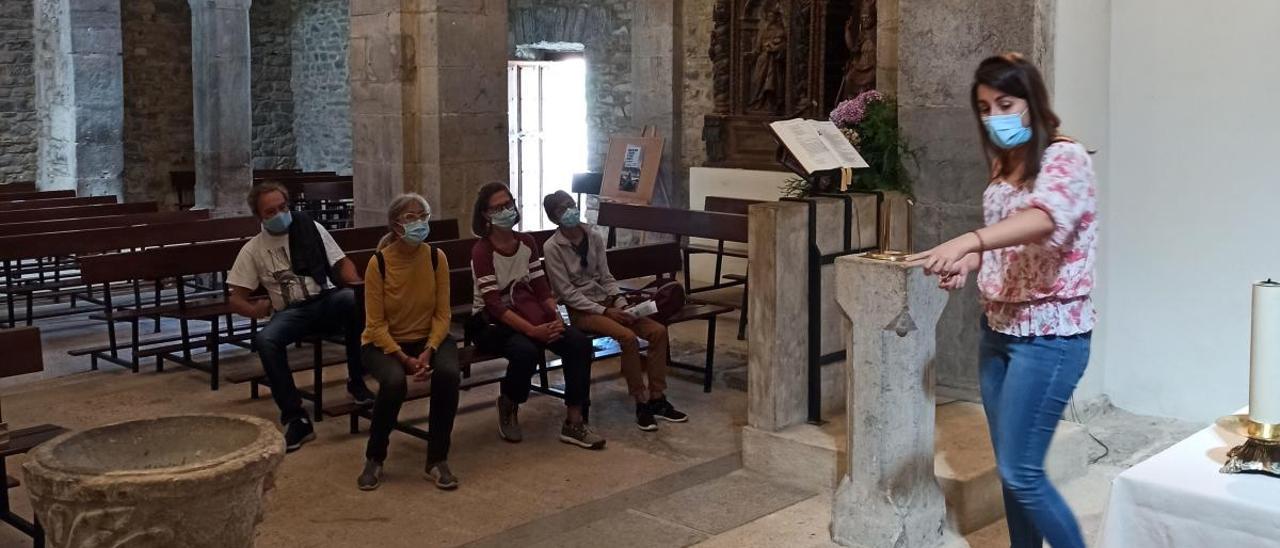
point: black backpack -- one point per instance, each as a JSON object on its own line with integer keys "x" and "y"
{"x": 382, "y": 262}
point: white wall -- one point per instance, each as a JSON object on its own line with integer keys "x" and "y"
{"x": 1190, "y": 202}
{"x": 1082, "y": 97}
{"x": 730, "y": 183}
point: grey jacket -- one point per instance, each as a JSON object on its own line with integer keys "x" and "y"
{"x": 580, "y": 288}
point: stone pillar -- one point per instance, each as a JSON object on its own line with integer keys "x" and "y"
{"x": 890, "y": 497}
{"x": 779, "y": 296}
{"x": 657, "y": 76}
{"x": 220, "y": 64}
{"x": 778, "y": 313}
{"x": 428, "y": 103}
{"x": 79, "y": 96}
{"x": 939, "y": 46}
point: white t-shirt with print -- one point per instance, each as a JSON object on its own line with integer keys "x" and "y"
{"x": 264, "y": 260}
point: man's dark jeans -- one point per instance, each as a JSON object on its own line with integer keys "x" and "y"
{"x": 334, "y": 313}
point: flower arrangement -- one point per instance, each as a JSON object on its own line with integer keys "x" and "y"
{"x": 870, "y": 122}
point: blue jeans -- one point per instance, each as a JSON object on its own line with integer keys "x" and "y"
{"x": 1026, "y": 384}
{"x": 333, "y": 313}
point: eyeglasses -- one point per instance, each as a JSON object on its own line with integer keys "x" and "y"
{"x": 414, "y": 217}
{"x": 501, "y": 207}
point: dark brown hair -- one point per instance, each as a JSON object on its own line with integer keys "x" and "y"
{"x": 1013, "y": 74}
{"x": 262, "y": 188}
{"x": 553, "y": 201}
{"x": 480, "y": 221}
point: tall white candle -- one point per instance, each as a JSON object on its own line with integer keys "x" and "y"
{"x": 1264, "y": 354}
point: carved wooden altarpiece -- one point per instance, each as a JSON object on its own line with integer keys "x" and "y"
{"x": 779, "y": 59}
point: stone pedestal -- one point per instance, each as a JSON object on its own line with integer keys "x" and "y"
{"x": 890, "y": 497}
{"x": 195, "y": 481}
{"x": 428, "y": 103}
{"x": 220, "y": 65}
{"x": 79, "y": 96}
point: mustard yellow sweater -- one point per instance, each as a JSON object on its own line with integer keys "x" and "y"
{"x": 412, "y": 303}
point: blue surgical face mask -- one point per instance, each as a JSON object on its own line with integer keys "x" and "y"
{"x": 279, "y": 224}
{"x": 416, "y": 232}
{"x": 505, "y": 218}
{"x": 1007, "y": 131}
{"x": 571, "y": 218}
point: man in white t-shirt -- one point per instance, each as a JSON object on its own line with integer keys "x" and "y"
{"x": 298, "y": 265}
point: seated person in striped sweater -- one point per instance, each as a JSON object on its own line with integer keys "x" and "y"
{"x": 516, "y": 316}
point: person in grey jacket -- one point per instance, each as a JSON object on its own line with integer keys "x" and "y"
{"x": 576, "y": 263}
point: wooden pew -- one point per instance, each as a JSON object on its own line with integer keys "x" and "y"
{"x": 34, "y": 195}
{"x": 101, "y": 240}
{"x": 724, "y": 227}
{"x": 18, "y": 186}
{"x": 182, "y": 261}
{"x": 330, "y": 202}
{"x": 55, "y": 202}
{"x": 736, "y": 206}
{"x": 23, "y": 356}
{"x": 106, "y": 221}
{"x": 72, "y": 212}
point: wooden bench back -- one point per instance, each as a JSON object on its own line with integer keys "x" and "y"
{"x": 724, "y": 204}
{"x": 641, "y": 261}
{"x": 682, "y": 222}
{"x": 12, "y": 195}
{"x": 155, "y": 264}
{"x": 103, "y": 240}
{"x": 368, "y": 237}
{"x": 22, "y": 352}
{"x": 18, "y": 186}
{"x": 73, "y": 212}
{"x": 43, "y": 203}
{"x": 108, "y": 221}
{"x": 202, "y": 258}
{"x": 306, "y": 178}
{"x": 320, "y": 190}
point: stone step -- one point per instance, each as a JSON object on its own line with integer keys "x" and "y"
{"x": 813, "y": 457}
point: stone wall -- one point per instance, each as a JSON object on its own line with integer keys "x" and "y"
{"x": 272, "y": 59}
{"x": 698, "y": 100}
{"x": 604, "y": 28}
{"x": 158, "y": 126}
{"x": 321, "y": 90}
{"x": 18, "y": 122}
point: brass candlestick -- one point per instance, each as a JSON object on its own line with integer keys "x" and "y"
{"x": 884, "y": 237}
{"x": 1260, "y": 453}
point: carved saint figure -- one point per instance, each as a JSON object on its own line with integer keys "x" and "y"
{"x": 769, "y": 73}
{"x": 860, "y": 37}
{"x": 720, "y": 56}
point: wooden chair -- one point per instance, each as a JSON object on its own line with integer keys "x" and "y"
{"x": 23, "y": 355}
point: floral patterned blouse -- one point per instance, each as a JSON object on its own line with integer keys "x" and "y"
{"x": 1043, "y": 289}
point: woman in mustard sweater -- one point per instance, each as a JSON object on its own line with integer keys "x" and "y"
{"x": 406, "y": 335}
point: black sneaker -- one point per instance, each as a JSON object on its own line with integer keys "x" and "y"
{"x": 662, "y": 409}
{"x": 297, "y": 433}
{"x": 644, "y": 418}
{"x": 581, "y": 435}
{"x": 440, "y": 474}
{"x": 509, "y": 420}
{"x": 361, "y": 395}
{"x": 371, "y": 477}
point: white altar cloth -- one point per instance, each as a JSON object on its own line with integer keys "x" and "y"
{"x": 1178, "y": 499}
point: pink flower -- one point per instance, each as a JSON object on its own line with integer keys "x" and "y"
{"x": 851, "y": 113}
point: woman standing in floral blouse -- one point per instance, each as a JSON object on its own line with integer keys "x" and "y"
{"x": 1035, "y": 264}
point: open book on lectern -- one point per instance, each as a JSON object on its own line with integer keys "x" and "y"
{"x": 817, "y": 145}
